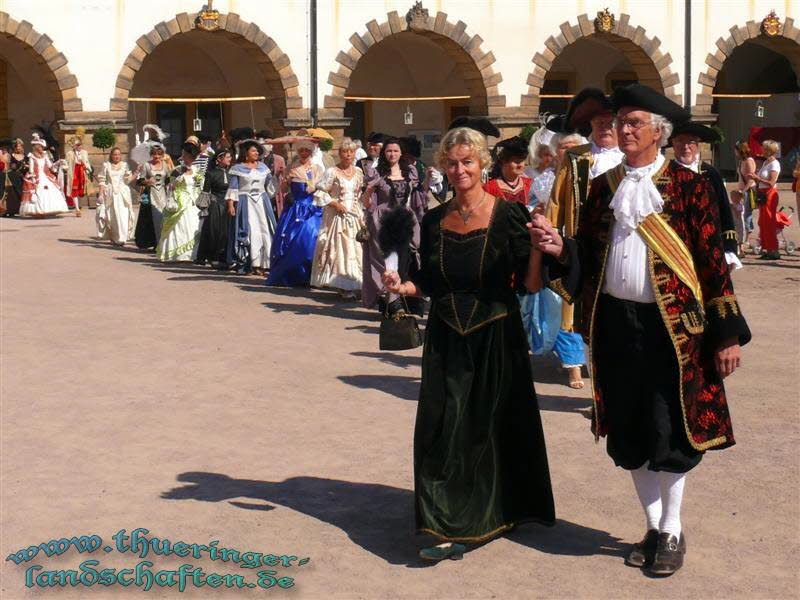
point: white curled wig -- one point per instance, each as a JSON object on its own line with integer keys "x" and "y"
{"x": 664, "y": 125}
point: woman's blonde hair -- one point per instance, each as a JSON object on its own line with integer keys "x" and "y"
{"x": 771, "y": 146}
{"x": 463, "y": 136}
{"x": 347, "y": 144}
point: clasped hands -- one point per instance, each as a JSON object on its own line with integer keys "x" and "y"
{"x": 546, "y": 239}
{"x": 393, "y": 283}
{"x": 544, "y": 236}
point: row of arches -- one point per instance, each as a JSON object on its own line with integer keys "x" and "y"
{"x": 239, "y": 58}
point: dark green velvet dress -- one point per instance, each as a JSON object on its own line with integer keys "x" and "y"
{"x": 480, "y": 463}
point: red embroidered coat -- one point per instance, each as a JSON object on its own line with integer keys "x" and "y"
{"x": 697, "y": 329}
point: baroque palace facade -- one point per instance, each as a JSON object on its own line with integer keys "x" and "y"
{"x": 352, "y": 66}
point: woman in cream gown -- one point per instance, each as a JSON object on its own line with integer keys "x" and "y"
{"x": 338, "y": 255}
{"x": 116, "y": 199}
{"x": 181, "y": 225}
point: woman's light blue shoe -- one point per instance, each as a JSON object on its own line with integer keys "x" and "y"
{"x": 451, "y": 551}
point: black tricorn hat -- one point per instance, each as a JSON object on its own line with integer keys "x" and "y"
{"x": 648, "y": 99}
{"x": 412, "y": 146}
{"x": 511, "y": 147}
{"x": 482, "y": 124}
{"x": 375, "y": 137}
{"x": 584, "y": 106}
{"x": 701, "y": 132}
{"x": 558, "y": 124}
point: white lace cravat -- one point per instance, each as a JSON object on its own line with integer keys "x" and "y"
{"x": 637, "y": 196}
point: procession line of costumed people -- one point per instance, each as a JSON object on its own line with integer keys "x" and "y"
{"x": 634, "y": 243}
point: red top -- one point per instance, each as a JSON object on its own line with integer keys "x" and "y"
{"x": 494, "y": 188}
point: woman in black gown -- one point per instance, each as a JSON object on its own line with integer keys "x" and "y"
{"x": 214, "y": 233}
{"x": 14, "y": 175}
{"x": 480, "y": 464}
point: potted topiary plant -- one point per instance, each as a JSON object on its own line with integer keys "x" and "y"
{"x": 103, "y": 138}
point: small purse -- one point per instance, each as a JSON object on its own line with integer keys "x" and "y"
{"x": 362, "y": 235}
{"x": 399, "y": 331}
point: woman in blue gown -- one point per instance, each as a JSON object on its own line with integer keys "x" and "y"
{"x": 298, "y": 227}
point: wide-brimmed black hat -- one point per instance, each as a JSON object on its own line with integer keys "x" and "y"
{"x": 240, "y": 133}
{"x": 481, "y": 124}
{"x": 411, "y": 145}
{"x": 646, "y": 98}
{"x": 558, "y": 124}
{"x": 513, "y": 147}
{"x": 584, "y": 106}
{"x": 703, "y": 133}
{"x": 376, "y": 137}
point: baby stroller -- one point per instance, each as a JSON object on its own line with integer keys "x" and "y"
{"x": 784, "y": 220}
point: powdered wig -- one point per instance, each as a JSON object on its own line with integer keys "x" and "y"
{"x": 536, "y": 157}
{"x": 771, "y": 147}
{"x": 566, "y": 138}
{"x": 665, "y": 125}
{"x": 347, "y": 144}
{"x": 463, "y": 136}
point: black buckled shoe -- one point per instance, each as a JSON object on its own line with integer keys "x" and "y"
{"x": 669, "y": 555}
{"x": 643, "y": 553}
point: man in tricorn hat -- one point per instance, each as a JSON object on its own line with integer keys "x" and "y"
{"x": 685, "y": 141}
{"x": 589, "y": 112}
{"x": 374, "y": 146}
{"x": 658, "y": 306}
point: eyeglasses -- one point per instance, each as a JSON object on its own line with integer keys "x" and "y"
{"x": 634, "y": 124}
{"x": 690, "y": 143}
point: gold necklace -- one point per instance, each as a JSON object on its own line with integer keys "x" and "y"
{"x": 466, "y": 216}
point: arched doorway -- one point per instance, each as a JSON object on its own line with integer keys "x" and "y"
{"x": 754, "y": 84}
{"x": 177, "y": 67}
{"x": 603, "y": 53}
{"x": 36, "y": 85}
{"x": 413, "y": 58}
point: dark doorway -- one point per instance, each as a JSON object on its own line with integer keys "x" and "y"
{"x": 355, "y": 112}
{"x": 172, "y": 119}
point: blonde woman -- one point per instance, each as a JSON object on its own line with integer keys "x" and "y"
{"x": 766, "y": 179}
{"x": 480, "y": 464}
{"x": 338, "y": 255}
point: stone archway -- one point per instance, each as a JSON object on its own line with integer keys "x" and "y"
{"x": 651, "y": 66}
{"x": 465, "y": 49}
{"x": 785, "y": 40}
{"x": 273, "y": 63}
{"x": 62, "y": 85}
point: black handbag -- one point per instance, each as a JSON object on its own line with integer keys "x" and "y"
{"x": 399, "y": 331}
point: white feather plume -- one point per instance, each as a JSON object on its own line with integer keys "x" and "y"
{"x": 158, "y": 131}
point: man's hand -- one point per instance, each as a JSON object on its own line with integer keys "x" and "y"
{"x": 728, "y": 357}
{"x": 544, "y": 237}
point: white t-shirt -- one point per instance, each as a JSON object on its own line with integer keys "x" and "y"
{"x": 766, "y": 169}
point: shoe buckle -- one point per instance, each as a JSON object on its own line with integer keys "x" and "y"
{"x": 672, "y": 546}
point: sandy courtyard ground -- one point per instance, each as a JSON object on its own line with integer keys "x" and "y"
{"x": 204, "y": 407}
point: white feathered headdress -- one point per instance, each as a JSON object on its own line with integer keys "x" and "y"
{"x": 141, "y": 153}
{"x": 159, "y": 133}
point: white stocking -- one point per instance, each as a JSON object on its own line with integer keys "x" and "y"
{"x": 649, "y": 490}
{"x": 671, "y": 498}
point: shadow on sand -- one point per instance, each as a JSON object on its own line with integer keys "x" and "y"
{"x": 378, "y": 518}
